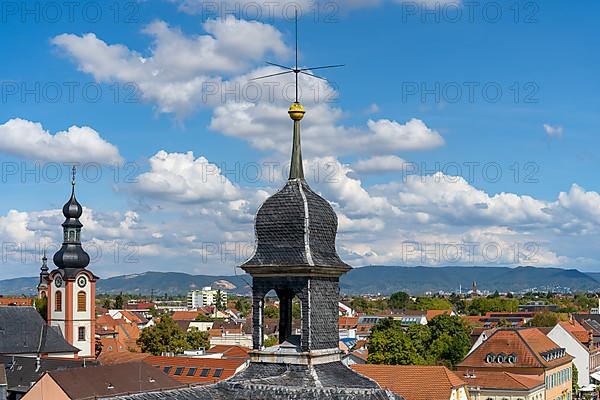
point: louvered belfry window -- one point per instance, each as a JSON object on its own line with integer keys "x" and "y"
{"x": 81, "y": 301}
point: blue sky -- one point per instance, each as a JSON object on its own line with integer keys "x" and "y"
{"x": 399, "y": 112}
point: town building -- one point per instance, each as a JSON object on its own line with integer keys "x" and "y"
{"x": 42, "y": 287}
{"x": 100, "y": 382}
{"x": 578, "y": 342}
{"x": 206, "y": 297}
{"x": 24, "y": 333}
{"x": 414, "y": 382}
{"x": 502, "y": 385}
{"x": 538, "y": 306}
{"x": 524, "y": 352}
{"x": 72, "y": 287}
{"x": 22, "y": 372}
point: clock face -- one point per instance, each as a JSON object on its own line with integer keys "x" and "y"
{"x": 81, "y": 281}
{"x": 58, "y": 281}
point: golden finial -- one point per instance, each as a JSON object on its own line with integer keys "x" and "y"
{"x": 296, "y": 111}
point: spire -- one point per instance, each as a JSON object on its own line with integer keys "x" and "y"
{"x": 296, "y": 111}
{"x": 44, "y": 262}
{"x": 71, "y": 254}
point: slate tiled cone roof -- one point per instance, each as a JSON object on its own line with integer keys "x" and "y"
{"x": 409, "y": 381}
{"x": 296, "y": 227}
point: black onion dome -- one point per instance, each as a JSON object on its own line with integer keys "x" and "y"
{"x": 71, "y": 257}
{"x": 72, "y": 209}
{"x": 296, "y": 227}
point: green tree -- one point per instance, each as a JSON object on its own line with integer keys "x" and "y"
{"x": 271, "y": 341}
{"x": 575, "y": 379}
{"x": 544, "y": 319}
{"x": 41, "y": 305}
{"x": 271, "y": 312}
{"x": 119, "y": 301}
{"x": 197, "y": 339}
{"x": 450, "y": 339}
{"x": 242, "y": 305}
{"x": 393, "y": 347}
{"x": 106, "y": 303}
{"x": 165, "y": 336}
{"x": 399, "y": 300}
{"x": 219, "y": 301}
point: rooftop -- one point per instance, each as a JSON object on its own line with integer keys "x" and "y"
{"x": 408, "y": 381}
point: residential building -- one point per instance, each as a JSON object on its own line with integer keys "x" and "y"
{"x": 578, "y": 342}
{"x": 198, "y": 370}
{"x": 538, "y": 306}
{"x": 502, "y": 385}
{"x": 3, "y": 383}
{"x": 417, "y": 382}
{"x": 72, "y": 287}
{"x": 23, "y": 332}
{"x": 100, "y": 382}
{"x": 206, "y": 297}
{"x": 22, "y": 372}
{"x": 16, "y": 301}
{"x": 524, "y": 352}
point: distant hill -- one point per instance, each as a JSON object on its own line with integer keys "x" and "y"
{"x": 371, "y": 279}
{"x": 386, "y": 280}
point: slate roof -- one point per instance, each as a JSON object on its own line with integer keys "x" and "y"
{"x": 296, "y": 227}
{"x": 332, "y": 381}
{"x": 23, "y": 330}
{"x": 197, "y": 370}
{"x": 22, "y": 372}
{"x": 410, "y": 380}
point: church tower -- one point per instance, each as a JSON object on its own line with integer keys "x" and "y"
{"x": 42, "y": 287}
{"x": 296, "y": 257}
{"x": 71, "y": 287}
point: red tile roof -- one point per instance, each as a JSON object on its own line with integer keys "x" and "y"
{"x": 111, "y": 380}
{"x": 431, "y": 314}
{"x": 16, "y": 301}
{"x": 185, "y": 315}
{"x": 504, "y": 380}
{"x": 197, "y": 370}
{"x": 527, "y": 344}
{"x": 230, "y": 351}
{"x": 577, "y": 330}
{"x": 410, "y": 381}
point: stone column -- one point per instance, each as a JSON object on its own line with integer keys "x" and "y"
{"x": 285, "y": 314}
{"x": 258, "y": 320}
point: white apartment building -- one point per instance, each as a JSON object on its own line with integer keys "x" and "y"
{"x": 205, "y": 297}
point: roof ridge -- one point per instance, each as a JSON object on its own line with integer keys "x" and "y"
{"x": 511, "y": 376}
{"x": 535, "y": 354}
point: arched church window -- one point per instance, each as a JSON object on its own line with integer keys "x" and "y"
{"x": 81, "y": 301}
{"x": 58, "y": 301}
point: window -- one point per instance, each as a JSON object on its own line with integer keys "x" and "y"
{"x": 192, "y": 371}
{"x": 58, "y": 301}
{"x": 218, "y": 373}
{"x": 81, "y": 333}
{"x": 166, "y": 369}
{"x": 178, "y": 371}
{"x": 204, "y": 372}
{"x": 81, "y": 301}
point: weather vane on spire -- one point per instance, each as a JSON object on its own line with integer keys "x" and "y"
{"x": 73, "y": 171}
{"x": 296, "y": 70}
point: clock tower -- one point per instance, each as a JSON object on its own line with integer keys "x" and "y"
{"x": 72, "y": 287}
